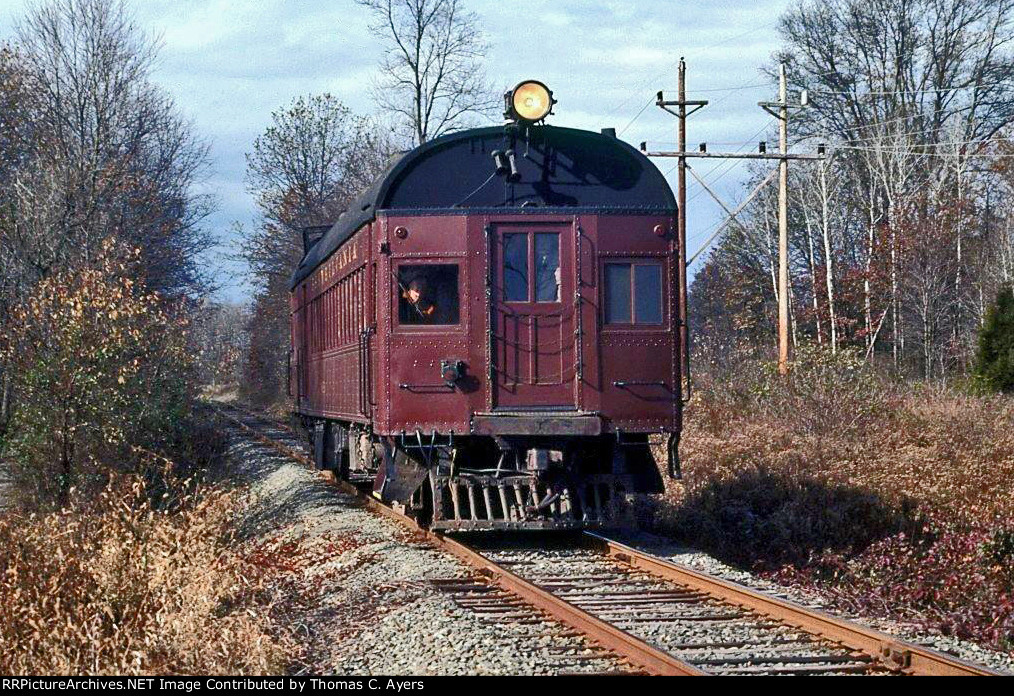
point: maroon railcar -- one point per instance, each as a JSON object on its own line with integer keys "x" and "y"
{"x": 489, "y": 333}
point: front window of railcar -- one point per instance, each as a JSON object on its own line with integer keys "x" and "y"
{"x": 428, "y": 294}
{"x": 633, "y": 293}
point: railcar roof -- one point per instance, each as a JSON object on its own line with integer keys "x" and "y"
{"x": 562, "y": 170}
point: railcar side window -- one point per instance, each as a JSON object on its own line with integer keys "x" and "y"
{"x": 648, "y": 294}
{"x": 633, "y": 293}
{"x": 428, "y": 294}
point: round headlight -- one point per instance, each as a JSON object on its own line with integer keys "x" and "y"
{"x": 531, "y": 101}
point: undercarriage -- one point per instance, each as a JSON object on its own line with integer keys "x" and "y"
{"x": 452, "y": 483}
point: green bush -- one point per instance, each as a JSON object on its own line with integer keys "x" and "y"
{"x": 995, "y": 358}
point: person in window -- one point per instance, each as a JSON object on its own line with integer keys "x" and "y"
{"x": 430, "y": 296}
{"x": 417, "y": 305}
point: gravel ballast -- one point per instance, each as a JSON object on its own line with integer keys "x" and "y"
{"x": 717, "y": 637}
{"x": 358, "y": 595}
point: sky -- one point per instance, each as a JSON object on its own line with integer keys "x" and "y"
{"x": 230, "y": 63}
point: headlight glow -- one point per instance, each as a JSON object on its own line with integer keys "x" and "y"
{"x": 531, "y": 101}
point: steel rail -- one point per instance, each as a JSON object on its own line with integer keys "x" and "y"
{"x": 610, "y": 637}
{"x": 888, "y": 651}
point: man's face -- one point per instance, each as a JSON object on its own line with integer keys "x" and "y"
{"x": 416, "y": 289}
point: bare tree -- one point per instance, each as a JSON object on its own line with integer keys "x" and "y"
{"x": 928, "y": 269}
{"x": 312, "y": 160}
{"x": 914, "y": 92}
{"x": 825, "y": 230}
{"x": 304, "y": 170}
{"x": 91, "y": 149}
{"x": 219, "y": 335}
{"x": 891, "y": 158}
{"x": 432, "y": 76}
{"x": 116, "y": 156}
{"x": 1000, "y": 238}
{"x": 919, "y": 63}
{"x": 18, "y": 146}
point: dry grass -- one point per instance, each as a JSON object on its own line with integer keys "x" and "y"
{"x": 112, "y": 560}
{"x": 118, "y": 586}
{"x": 892, "y": 499}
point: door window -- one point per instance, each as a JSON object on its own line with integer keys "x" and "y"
{"x": 523, "y": 252}
{"x": 515, "y": 267}
{"x": 547, "y": 267}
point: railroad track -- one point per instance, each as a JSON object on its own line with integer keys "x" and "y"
{"x": 660, "y": 617}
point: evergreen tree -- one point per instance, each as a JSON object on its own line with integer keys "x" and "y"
{"x": 995, "y": 359}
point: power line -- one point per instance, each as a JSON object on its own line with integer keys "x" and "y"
{"x": 891, "y": 134}
{"x": 923, "y": 154}
{"x": 875, "y": 138}
{"x": 640, "y": 85}
{"x": 853, "y": 144}
{"x": 874, "y": 124}
{"x": 730, "y": 91}
{"x": 945, "y": 90}
{"x": 631, "y": 122}
{"x": 737, "y": 88}
{"x": 730, "y": 164}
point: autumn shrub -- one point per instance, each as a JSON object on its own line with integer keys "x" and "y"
{"x": 102, "y": 374}
{"x": 900, "y": 506}
{"x": 956, "y": 577}
{"x": 115, "y": 560}
{"x": 114, "y": 584}
{"x": 824, "y": 393}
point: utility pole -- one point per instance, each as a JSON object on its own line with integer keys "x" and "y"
{"x": 681, "y": 216}
{"x": 779, "y": 110}
{"x": 783, "y": 226}
{"x": 681, "y": 225}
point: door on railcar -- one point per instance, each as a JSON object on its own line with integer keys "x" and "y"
{"x": 533, "y": 326}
